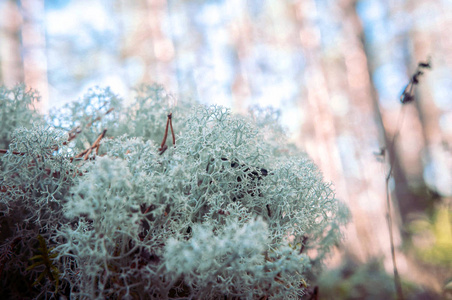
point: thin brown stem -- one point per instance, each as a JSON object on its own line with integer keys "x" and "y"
{"x": 95, "y": 145}
{"x": 166, "y": 133}
{"x": 169, "y": 123}
{"x": 77, "y": 130}
{"x": 397, "y": 281}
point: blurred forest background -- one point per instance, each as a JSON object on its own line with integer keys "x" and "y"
{"x": 335, "y": 69}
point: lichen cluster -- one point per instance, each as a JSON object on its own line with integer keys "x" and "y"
{"x": 230, "y": 211}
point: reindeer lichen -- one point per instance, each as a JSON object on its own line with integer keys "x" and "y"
{"x": 227, "y": 210}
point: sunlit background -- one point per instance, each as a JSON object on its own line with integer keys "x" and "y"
{"x": 334, "y": 68}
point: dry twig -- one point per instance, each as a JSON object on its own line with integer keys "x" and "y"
{"x": 169, "y": 123}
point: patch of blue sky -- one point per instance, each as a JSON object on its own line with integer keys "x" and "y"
{"x": 347, "y": 151}
{"x": 212, "y": 14}
{"x": 438, "y": 177}
{"x": 445, "y": 122}
{"x": 377, "y": 32}
{"x": 390, "y": 79}
{"x": 72, "y": 18}
{"x": 84, "y": 30}
{"x": 329, "y": 23}
{"x": 441, "y": 80}
{"x": 56, "y": 4}
{"x": 370, "y": 10}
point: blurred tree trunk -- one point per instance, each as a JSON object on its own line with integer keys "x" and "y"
{"x": 34, "y": 50}
{"x": 242, "y": 37}
{"x": 412, "y": 125}
{"x": 337, "y": 84}
{"x": 11, "y": 64}
{"x": 145, "y": 43}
